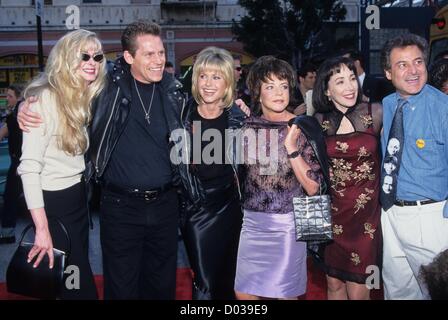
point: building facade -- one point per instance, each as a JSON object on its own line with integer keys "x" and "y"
{"x": 188, "y": 26}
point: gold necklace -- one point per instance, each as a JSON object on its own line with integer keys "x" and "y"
{"x": 141, "y": 101}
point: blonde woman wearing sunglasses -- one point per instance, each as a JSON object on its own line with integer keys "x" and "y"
{"x": 52, "y": 162}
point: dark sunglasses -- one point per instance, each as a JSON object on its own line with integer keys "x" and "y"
{"x": 98, "y": 58}
{"x": 238, "y": 68}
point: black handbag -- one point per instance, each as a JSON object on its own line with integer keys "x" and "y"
{"x": 312, "y": 217}
{"x": 41, "y": 282}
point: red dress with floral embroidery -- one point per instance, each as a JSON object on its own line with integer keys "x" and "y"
{"x": 355, "y": 166}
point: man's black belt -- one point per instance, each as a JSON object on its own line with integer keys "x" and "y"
{"x": 404, "y": 203}
{"x": 147, "y": 195}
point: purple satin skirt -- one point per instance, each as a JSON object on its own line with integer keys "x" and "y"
{"x": 271, "y": 263}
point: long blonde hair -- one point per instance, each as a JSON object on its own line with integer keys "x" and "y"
{"x": 213, "y": 58}
{"x": 73, "y": 98}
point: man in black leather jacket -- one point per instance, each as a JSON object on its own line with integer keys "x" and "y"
{"x": 129, "y": 155}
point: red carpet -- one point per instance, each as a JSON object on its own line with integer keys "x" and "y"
{"x": 316, "y": 287}
{"x": 183, "y": 289}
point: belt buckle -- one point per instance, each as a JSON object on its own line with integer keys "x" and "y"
{"x": 401, "y": 203}
{"x": 149, "y": 195}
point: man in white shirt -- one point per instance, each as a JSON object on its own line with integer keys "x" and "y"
{"x": 359, "y": 65}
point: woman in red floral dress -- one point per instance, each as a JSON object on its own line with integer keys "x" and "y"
{"x": 352, "y": 130}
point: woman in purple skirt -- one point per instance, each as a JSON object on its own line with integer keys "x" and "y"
{"x": 279, "y": 164}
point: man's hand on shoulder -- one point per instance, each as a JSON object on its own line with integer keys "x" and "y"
{"x": 243, "y": 106}
{"x": 27, "y": 118}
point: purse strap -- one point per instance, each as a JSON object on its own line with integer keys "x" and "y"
{"x": 320, "y": 186}
{"x": 67, "y": 237}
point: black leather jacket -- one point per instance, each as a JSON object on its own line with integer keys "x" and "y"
{"x": 111, "y": 109}
{"x": 192, "y": 184}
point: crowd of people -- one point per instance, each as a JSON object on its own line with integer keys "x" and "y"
{"x": 195, "y": 167}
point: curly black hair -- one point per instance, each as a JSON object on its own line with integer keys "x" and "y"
{"x": 438, "y": 73}
{"x": 435, "y": 275}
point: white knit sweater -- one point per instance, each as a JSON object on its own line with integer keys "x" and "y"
{"x": 43, "y": 166}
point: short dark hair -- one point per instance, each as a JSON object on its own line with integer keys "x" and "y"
{"x": 438, "y": 73}
{"x": 435, "y": 275}
{"x": 263, "y": 68}
{"x": 401, "y": 41}
{"x": 305, "y": 69}
{"x": 16, "y": 88}
{"x": 135, "y": 29}
{"x": 328, "y": 68}
{"x": 354, "y": 55}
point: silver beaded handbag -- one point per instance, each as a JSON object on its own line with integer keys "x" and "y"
{"x": 312, "y": 216}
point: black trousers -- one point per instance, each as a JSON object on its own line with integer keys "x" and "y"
{"x": 13, "y": 201}
{"x": 70, "y": 207}
{"x": 139, "y": 245}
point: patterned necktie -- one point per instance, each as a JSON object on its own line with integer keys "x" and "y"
{"x": 392, "y": 159}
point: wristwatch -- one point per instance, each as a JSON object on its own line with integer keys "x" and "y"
{"x": 293, "y": 155}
